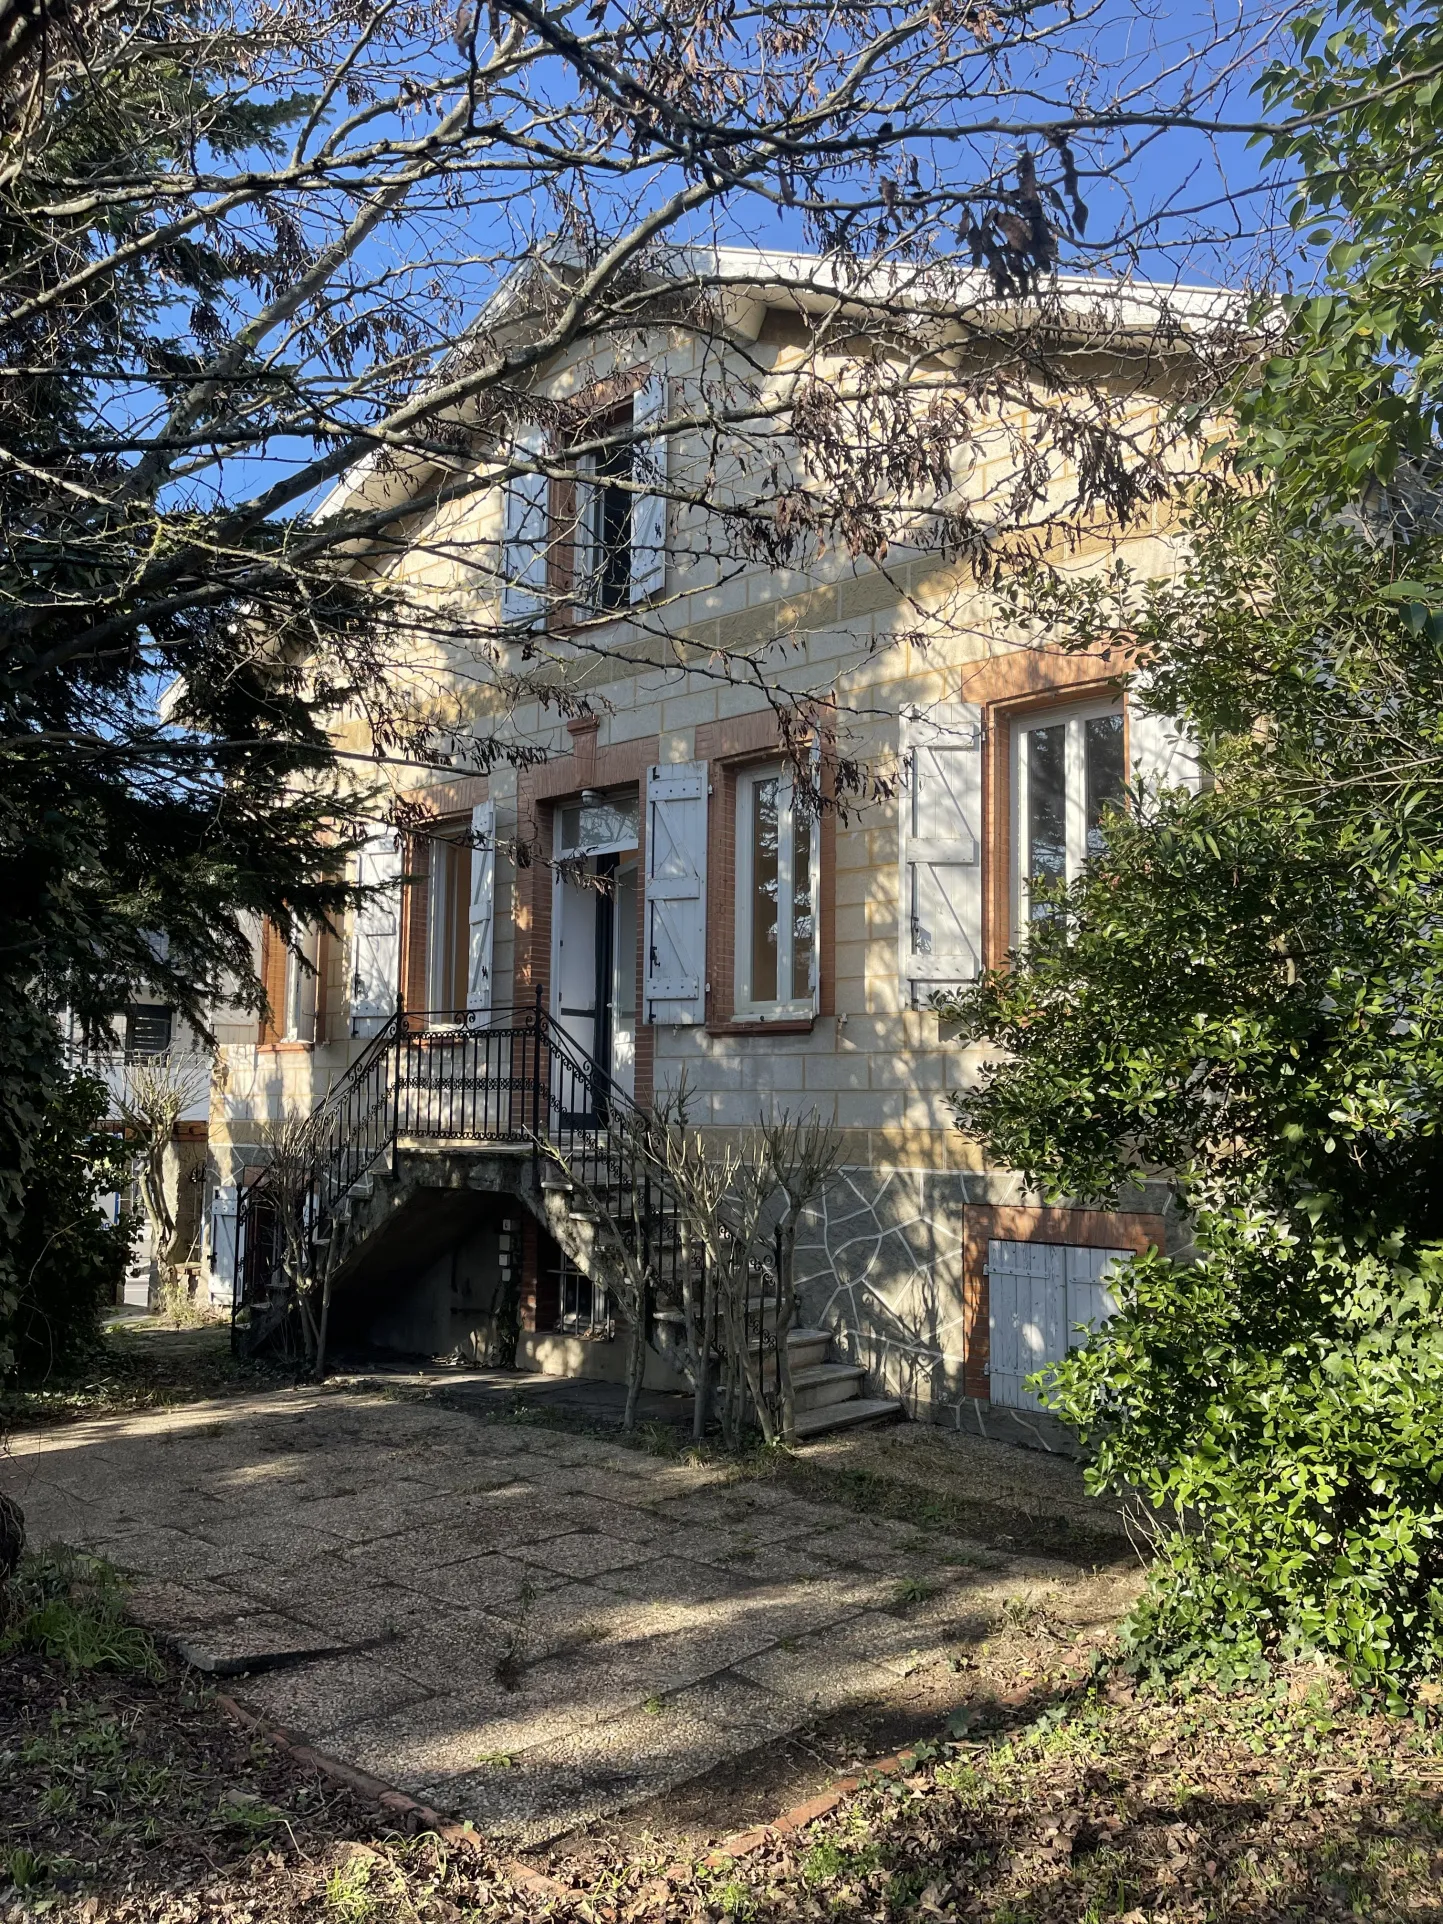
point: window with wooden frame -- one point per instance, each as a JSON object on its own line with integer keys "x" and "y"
{"x": 590, "y": 540}
{"x": 291, "y": 975}
{"x": 778, "y": 885}
{"x": 448, "y": 888}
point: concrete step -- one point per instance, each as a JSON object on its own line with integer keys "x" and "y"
{"x": 807, "y": 1347}
{"x": 849, "y": 1415}
{"x": 824, "y": 1384}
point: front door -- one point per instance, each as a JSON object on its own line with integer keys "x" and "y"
{"x": 593, "y": 966}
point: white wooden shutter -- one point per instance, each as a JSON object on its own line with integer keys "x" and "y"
{"x": 528, "y": 533}
{"x": 674, "y": 981}
{"x": 376, "y": 937}
{"x": 648, "y": 511}
{"x": 940, "y": 810}
{"x": 481, "y": 915}
{"x": 814, "y": 878}
{"x": 1026, "y": 1312}
{"x": 223, "y": 1206}
{"x": 1037, "y": 1295}
{"x": 1089, "y": 1300}
{"x": 1161, "y": 752}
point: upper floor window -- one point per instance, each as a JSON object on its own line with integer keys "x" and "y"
{"x": 603, "y": 534}
{"x": 587, "y": 533}
{"x": 1069, "y": 771}
{"x": 147, "y": 1029}
{"x": 777, "y": 890}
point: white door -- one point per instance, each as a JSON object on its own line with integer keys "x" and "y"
{"x": 573, "y": 958}
{"x": 1038, "y": 1295}
{"x": 623, "y": 978}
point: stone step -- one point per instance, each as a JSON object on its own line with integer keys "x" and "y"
{"x": 824, "y": 1384}
{"x": 849, "y": 1415}
{"x": 807, "y": 1347}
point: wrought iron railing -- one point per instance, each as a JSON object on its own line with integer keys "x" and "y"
{"x": 474, "y": 1079}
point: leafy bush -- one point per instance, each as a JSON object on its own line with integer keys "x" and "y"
{"x": 1244, "y": 993}
{"x": 69, "y": 1261}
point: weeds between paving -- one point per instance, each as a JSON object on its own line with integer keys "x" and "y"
{"x": 127, "y": 1795}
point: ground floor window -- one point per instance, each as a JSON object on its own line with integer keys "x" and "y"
{"x": 777, "y": 850}
{"x": 582, "y": 1308}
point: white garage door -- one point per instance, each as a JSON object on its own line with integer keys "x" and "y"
{"x": 1038, "y": 1294}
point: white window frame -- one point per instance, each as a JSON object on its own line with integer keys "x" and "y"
{"x": 302, "y": 990}
{"x": 783, "y": 1008}
{"x": 1073, "y": 716}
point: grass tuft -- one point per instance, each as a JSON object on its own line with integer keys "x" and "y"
{"x": 71, "y": 1608}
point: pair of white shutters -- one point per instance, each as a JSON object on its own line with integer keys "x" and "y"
{"x": 1038, "y": 1295}
{"x": 527, "y": 538}
{"x": 376, "y": 939}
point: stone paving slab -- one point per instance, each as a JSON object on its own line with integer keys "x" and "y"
{"x": 526, "y": 1628}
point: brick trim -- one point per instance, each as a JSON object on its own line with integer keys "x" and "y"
{"x": 458, "y": 797}
{"x": 1007, "y": 1222}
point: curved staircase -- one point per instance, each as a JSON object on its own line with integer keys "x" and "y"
{"x": 517, "y": 1108}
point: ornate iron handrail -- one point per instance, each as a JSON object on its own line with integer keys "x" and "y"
{"x": 438, "y": 1077}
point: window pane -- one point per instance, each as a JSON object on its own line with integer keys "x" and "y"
{"x": 147, "y": 1030}
{"x": 764, "y": 890}
{"x": 1105, "y": 775}
{"x": 802, "y": 831}
{"x": 611, "y": 529}
{"x": 1046, "y": 806}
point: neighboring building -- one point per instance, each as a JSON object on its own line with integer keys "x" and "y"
{"x": 773, "y": 957}
{"x": 145, "y": 1030}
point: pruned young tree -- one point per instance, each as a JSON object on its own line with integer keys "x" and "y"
{"x": 153, "y": 1093}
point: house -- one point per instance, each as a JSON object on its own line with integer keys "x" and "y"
{"x": 151, "y": 1032}
{"x": 650, "y": 883}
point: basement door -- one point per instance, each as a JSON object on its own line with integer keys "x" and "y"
{"x": 1038, "y": 1295}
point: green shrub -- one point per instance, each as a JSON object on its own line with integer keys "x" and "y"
{"x": 69, "y": 1261}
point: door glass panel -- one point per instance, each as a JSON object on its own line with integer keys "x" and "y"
{"x": 765, "y": 852}
{"x": 803, "y": 829}
{"x": 1105, "y": 775}
{"x": 608, "y": 822}
{"x": 1046, "y": 807}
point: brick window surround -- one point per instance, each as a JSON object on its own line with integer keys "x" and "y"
{"x": 1084, "y": 1228}
{"x": 728, "y": 748}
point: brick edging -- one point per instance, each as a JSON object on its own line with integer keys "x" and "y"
{"x": 411, "y": 1816}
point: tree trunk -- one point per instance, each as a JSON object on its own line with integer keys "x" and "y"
{"x": 636, "y": 1359}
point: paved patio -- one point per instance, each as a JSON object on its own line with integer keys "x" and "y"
{"x": 528, "y": 1628}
